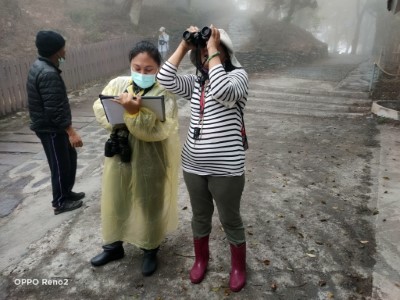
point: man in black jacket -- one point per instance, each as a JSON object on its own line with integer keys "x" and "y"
{"x": 50, "y": 115}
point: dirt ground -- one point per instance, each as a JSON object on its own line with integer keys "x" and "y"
{"x": 309, "y": 208}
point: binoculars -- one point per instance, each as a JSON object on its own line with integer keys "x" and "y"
{"x": 198, "y": 39}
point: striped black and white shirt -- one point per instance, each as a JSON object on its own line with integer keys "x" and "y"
{"x": 219, "y": 149}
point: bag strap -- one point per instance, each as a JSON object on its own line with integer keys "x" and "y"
{"x": 243, "y": 130}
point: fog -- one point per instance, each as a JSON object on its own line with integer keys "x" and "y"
{"x": 363, "y": 27}
{"x": 346, "y": 26}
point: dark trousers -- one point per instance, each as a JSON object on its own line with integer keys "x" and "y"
{"x": 62, "y": 159}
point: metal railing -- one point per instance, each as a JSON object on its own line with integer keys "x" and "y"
{"x": 387, "y": 63}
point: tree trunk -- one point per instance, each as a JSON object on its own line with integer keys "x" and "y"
{"x": 381, "y": 33}
{"x": 126, "y": 6}
{"x": 336, "y": 40}
{"x": 134, "y": 11}
{"x": 356, "y": 38}
{"x": 291, "y": 10}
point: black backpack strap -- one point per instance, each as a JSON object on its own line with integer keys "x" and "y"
{"x": 243, "y": 130}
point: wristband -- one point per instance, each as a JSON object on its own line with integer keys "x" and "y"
{"x": 213, "y": 55}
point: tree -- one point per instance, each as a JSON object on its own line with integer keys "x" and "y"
{"x": 359, "y": 16}
{"x": 362, "y": 7}
{"x": 293, "y": 6}
{"x": 134, "y": 7}
{"x": 296, "y": 5}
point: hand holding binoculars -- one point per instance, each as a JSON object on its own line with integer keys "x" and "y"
{"x": 198, "y": 39}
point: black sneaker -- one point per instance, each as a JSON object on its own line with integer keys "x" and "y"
{"x": 75, "y": 196}
{"x": 68, "y": 206}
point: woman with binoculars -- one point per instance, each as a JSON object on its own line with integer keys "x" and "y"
{"x": 213, "y": 155}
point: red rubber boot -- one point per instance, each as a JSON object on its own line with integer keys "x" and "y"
{"x": 238, "y": 272}
{"x": 202, "y": 254}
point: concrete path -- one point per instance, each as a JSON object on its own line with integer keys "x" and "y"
{"x": 320, "y": 206}
{"x": 387, "y": 268}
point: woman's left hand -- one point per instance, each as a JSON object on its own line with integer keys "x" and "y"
{"x": 214, "y": 40}
{"x": 129, "y": 102}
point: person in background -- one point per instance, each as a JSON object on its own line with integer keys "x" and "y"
{"x": 163, "y": 43}
{"x": 50, "y": 119}
{"x": 213, "y": 155}
{"x": 139, "y": 191}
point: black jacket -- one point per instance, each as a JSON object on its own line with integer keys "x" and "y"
{"x": 48, "y": 102}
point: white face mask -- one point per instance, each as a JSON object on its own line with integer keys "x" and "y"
{"x": 143, "y": 80}
{"x": 61, "y": 60}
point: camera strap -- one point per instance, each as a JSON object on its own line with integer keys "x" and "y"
{"x": 202, "y": 104}
{"x": 202, "y": 81}
{"x": 199, "y": 67}
{"x": 136, "y": 90}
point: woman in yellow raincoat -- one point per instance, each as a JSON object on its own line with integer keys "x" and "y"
{"x": 139, "y": 197}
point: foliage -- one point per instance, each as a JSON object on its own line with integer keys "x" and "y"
{"x": 9, "y": 12}
{"x": 290, "y": 7}
{"x": 85, "y": 18}
{"x": 383, "y": 120}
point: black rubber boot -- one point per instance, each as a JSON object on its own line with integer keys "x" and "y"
{"x": 149, "y": 263}
{"x": 111, "y": 252}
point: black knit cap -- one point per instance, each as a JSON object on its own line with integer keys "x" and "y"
{"x": 49, "y": 42}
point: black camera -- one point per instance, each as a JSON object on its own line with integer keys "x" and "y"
{"x": 118, "y": 144}
{"x": 199, "y": 39}
{"x": 196, "y": 133}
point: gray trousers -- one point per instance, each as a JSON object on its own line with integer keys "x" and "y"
{"x": 227, "y": 193}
